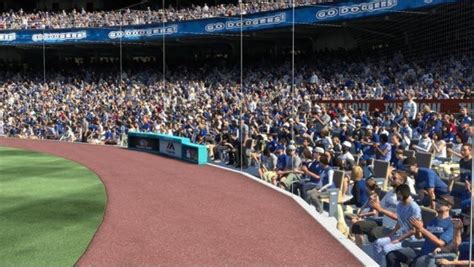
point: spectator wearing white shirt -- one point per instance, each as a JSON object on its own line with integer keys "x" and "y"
{"x": 410, "y": 106}
{"x": 346, "y": 155}
{"x": 439, "y": 148}
{"x": 326, "y": 140}
{"x": 425, "y": 143}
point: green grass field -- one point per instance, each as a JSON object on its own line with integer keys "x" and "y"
{"x": 50, "y": 209}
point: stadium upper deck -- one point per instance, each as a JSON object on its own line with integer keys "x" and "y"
{"x": 219, "y": 21}
{"x": 20, "y": 20}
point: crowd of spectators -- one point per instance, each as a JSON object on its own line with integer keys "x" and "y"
{"x": 70, "y": 101}
{"x": 294, "y": 140}
{"x": 15, "y": 20}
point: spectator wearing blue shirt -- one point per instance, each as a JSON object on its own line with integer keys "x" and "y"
{"x": 312, "y": 173}
{"x": 396, "y": 145}
{"x": 273, "y": 144}
{"x": 383, "y": 151}
{"x": 326, "y": 177}
{"x": 447, "y": 135}
{"x": 427, "y": 183}
{"x": 437, "y": 233}
{"x": 359, "y": 189}
{"x": 437, "y": 123}
{"x": 458, "y": 244}
{"x": 398, "y": 160}
{"x": 466, "y": 119}
{"x": 282, "y": 157}
{"x": 406, "y": 209}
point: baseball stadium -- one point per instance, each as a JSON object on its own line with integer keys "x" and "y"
{"x": 236, "y": 133}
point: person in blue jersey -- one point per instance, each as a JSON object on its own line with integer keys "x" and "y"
{"x": 326, "y": 176}
{"x": 427, "y": 183}
{"x": 461, "y": 245}
{"x": 312, "y": 173}
{"x": 437, "y": 233}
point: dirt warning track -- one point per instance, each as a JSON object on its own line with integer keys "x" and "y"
{"x": 162, "y": 211}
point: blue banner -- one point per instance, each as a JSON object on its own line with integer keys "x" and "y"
{"x": 217, "y": 26}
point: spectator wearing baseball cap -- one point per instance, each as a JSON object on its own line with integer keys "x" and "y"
{"x": 346, "y": 157}
{"x": 428, "y": 184}
{"x": 291, "y": 172}
{"x": 312, "y": 173}
{"x": 437, "y": 233}
{"x": 326, "y": 177}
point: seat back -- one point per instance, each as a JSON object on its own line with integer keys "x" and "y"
{"x": 408, "y": 153}
{"x": 337, "y": 178}
{"x": 423, "y": 159}
{"x": 381, "y": 169}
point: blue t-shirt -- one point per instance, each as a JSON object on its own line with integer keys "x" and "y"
{"x": 315, "y": 168}
{"x": 387, "y": 156}
{"x": 272, "y": 146}
{"x": 281, "y": 162}
{"x": 108, "y": 135}
{"x": 325, "y": 177}
{"x": 367, "y": 152}
{"x": 466, "y": 120}
{"x": 363, "y": 193}
{"x": 405, "y": 212}
{"x": 442, "y": 229}
{"x": 427, "y": 178}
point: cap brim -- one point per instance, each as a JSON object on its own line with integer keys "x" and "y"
{"x": 444, "y": 202}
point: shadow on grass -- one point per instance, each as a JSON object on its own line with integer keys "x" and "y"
{"x": 34, "y": 228}
{"x": 12, "y": 152}
{"x": 52, "y": 210}
{"x": 9, "y": 174}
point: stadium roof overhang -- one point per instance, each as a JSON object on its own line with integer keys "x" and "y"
{"x": 272, "y": 26}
